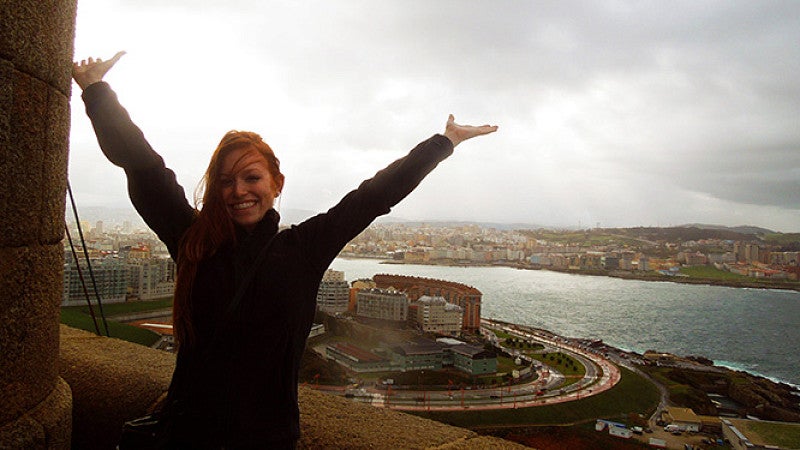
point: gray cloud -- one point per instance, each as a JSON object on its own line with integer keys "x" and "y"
{"x": 627, "y": 113}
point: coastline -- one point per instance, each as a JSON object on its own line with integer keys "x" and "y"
{"x": 697, "y": 363}
{"x": 626, "y": 275}
{"x": 721, "y": 362}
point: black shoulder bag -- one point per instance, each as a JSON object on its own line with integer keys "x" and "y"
{"x": 151, "y": 432}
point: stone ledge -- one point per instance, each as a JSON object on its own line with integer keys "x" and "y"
{"x": 113, "y": 380}
{"x": 47, "y": 426}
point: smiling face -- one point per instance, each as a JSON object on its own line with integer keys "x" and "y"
{"x": 248, "y": 189}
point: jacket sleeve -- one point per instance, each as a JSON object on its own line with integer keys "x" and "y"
{"x": 152, "y": 187}
{"x": 323, "y": 236}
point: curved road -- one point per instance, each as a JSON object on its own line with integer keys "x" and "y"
{"x": 542, "y": 391}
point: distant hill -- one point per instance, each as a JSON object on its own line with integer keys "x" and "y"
{"x": 683, "y": 233}
{"x": 689, "y": 233}
{"x": 109, "y": 216}
{"x": 744, "y": 229}
{"x": 459, "y": 223}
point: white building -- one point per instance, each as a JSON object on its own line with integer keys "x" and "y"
{"x": 383, "y": 304}
{"x": 110, "y": 279}
{"x": 436, "y": 315}
{"x": 151, "y": 278}
{"x": 334, "y": 292}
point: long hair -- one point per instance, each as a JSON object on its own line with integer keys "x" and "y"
{"x": 212, "y": 227}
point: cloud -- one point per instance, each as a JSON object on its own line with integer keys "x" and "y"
{"x": 625, "y": 113}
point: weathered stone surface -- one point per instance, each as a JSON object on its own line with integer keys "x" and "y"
{"x": 54, "y": 168}
{"x": 334, "y": 422}
{"x": 30, "y": 295}
{"x": 37, "y": 37}
{"x": 36, "y": 45}
{"x": 33, "y": 161}
{"x": 113, "y": 380}
{"x": 47, "y": 426}
{"x": 6, "y": 99}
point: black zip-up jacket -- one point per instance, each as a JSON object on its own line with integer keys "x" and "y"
{"x": 242, "y": 390}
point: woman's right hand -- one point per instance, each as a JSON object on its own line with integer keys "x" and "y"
{"x": 91, "y": 71}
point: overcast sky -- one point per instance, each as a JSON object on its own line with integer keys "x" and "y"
{"x": 612, "y": 113}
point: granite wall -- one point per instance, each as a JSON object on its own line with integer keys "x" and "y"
{"x": 36, "y": 46}
{"x": 114, "y": 380}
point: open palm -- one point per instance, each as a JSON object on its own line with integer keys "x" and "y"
{"x": 91, "y": 71}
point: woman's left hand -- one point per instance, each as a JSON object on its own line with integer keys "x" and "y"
{"x": 459, "y": 133}
{"x": 91, "y": 71}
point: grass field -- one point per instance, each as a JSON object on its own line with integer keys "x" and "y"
{"x": 633, "y": 394}
{"x": 80, "y": 317}
{"x": 116, "y": 309}
{"x": 786, "y": 435}
{"x": 713, "y": 273}
{"x": 562, "y": 363}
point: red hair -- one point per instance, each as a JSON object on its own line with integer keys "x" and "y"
{"x": 213, "y": 226}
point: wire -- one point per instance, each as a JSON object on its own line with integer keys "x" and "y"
{"x": 86, "y": 256}
{"x": 83, "y": 282}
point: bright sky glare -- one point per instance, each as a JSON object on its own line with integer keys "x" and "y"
{"x": 619, "y": 113}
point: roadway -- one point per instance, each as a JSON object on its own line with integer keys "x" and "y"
{"x": 600, "y": 375}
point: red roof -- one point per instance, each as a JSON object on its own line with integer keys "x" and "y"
{"x": 357, "y": 352}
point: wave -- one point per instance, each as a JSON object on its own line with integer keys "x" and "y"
{"x": 750, "y": 368}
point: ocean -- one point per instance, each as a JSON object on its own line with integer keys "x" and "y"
{"x": 755, "y": 330}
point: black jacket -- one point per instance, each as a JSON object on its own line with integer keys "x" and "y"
{"x": 242, "y": 390}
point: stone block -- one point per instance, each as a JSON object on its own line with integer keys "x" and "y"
{"x": 30, "y": 297}
{"x": 6, "y": 99}
{"x": 54, "y": 169}
{"x": 37, "y": 37}
{"x": 111, "y": 381}
{"x": 20, "y": 164}
{"x": 47, "y": 426}
{"x": 33, "y": 164}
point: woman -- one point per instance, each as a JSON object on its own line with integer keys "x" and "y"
{"x": 235, "y": 382}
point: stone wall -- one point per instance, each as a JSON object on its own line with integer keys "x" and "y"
{"x": 36, "y": 45}
{"x": 114, "y": 380}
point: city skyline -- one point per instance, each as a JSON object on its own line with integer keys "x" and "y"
{"x": 623, "y": 114}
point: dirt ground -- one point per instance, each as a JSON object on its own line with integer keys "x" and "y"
{"x": 675, "y": 442}
{"x": 572, "y": 438}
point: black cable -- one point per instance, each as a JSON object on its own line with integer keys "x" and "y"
{"x": 88, "y": 262}
{"x": 83, "y": 282}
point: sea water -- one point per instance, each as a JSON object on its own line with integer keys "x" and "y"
{"x": 755, "y": 330}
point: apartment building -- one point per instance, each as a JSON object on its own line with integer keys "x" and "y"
{"x": 382, "y": 304}
{"x": 333, "y": 295}
{"x": 110, "y": 276}
{"x": 151, "y": 278}
{"x": 436, "y": 315}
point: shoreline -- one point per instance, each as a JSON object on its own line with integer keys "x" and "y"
{"x": 660, "y": 278}
{"x": 625, "y": 275}
{"x": 714, "y": 366}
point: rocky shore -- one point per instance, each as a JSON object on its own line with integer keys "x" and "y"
{"x": 696, "y": 382}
